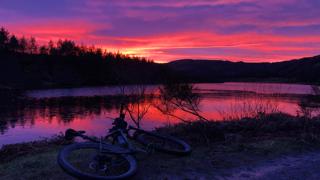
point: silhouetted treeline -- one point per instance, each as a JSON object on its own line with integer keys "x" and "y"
{"x": 25, "y": 64}
{"x": 305, "y": 70}
{"x": 10, "y": 44}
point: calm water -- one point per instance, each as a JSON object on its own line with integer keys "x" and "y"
{"x": 48, "y": 112}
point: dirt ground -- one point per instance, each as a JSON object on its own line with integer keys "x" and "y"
{"x": 278, "y": 159}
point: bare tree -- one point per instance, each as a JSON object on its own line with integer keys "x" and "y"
{"x": 179, "y": 96}
{"x": 138, "y": 108}
{"x": 134, "y": 98}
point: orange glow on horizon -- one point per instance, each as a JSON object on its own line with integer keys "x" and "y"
{"x": 167, "y": 30}
{"x": 250, "y": 47}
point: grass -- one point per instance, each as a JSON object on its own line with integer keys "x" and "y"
{"x": 215, "y": 159}
{"x": 33, "y": 166}
{"x": 262, "y": 127}
{"x": 13, "y": 151}
{"x": 217, "y": 148}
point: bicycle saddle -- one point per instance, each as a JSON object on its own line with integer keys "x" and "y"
{"x": 71, "y": 133}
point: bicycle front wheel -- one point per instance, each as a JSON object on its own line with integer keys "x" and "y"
{"x": 91, "y": 161}
{"x": 167, "y": 144}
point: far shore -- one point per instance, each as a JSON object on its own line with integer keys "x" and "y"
{"x": 266, "y": 81}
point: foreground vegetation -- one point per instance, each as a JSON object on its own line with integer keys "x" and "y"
{"x": 218, "y": 147}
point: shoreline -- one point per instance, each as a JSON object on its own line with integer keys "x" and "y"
{"x": 8, "y": 87}
{"x": 218, "y": 148}
{"x": 263, "y": 125}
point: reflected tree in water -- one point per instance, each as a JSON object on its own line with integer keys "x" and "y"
{"x": 63, "y": 110}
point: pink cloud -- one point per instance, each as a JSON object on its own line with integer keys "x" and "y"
{"x": 267, "y": 47}
{"x": 172, "y": 29}
{"x": 44, "y": 31}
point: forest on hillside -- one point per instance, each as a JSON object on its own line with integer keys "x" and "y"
{"x": 305, "y": 70}
{"x": 25, "y": 64}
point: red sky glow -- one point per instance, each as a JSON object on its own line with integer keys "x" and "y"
{"x": 237, "y": 30}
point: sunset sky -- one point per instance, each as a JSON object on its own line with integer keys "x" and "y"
{"x": 165, "y": 30}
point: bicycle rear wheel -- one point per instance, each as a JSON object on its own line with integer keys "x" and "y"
{"x": 167, "y": 144}
{"x": 90, "y": 161}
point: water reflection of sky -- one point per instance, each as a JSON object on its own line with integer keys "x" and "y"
{"x": 265, "y": 88}
{"x": 49, "y": 116}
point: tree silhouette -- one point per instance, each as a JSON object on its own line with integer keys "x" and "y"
{"x": 64, "y": 63}
{"x": 179, "y": 96}
{"x": 32, "y": 46}
{"x": 23, "y": 43}
{"x": 13, "y": 44}
{"x": 44, "y": 50}
{"x": 4, "y": 37}
{"x": 139, "y": 108}
{"x": 66, "y": 48}
{"x": 51, "y": 48}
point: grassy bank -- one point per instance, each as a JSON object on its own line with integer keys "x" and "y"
{"x": 218, "y": 147}
{"x": 270, "y": 126}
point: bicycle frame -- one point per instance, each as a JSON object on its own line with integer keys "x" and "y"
{"x": 119, "y": 137}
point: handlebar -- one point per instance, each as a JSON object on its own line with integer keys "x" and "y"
{"x": 70, "y": 134}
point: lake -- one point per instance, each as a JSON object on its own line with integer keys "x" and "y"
{"x": 49, "y": 112}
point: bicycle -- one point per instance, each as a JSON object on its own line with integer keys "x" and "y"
{"x": 104, "y": 160}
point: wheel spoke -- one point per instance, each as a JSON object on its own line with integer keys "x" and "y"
{"x": 90, "y": 160}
